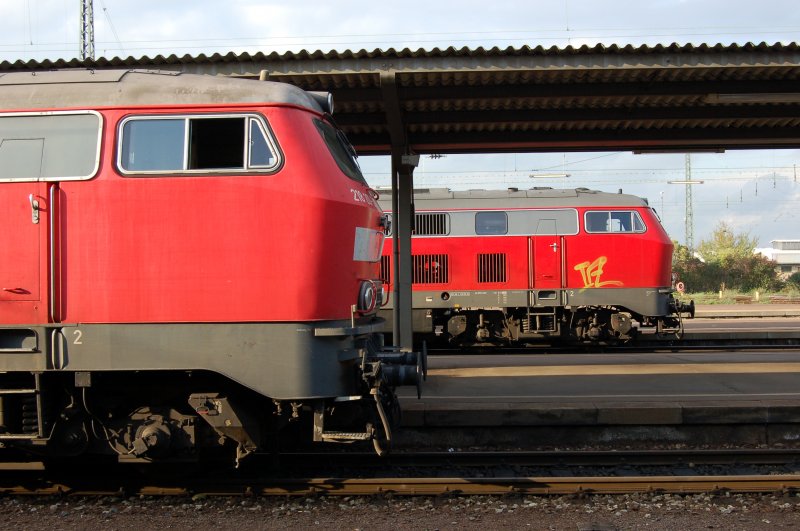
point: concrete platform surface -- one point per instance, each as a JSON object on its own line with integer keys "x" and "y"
{"x": 747, "y": 310}
{"x": 717, "y": 398}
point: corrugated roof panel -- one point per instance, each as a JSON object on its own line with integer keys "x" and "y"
{"x": 533, "y": 98}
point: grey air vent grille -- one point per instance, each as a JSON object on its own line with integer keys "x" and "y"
{"x": 431, "y": 224}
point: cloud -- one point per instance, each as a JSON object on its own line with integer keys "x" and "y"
{"x": 152, "y": 27}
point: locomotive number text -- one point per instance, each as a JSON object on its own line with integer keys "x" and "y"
{"x": 360, "y": 197}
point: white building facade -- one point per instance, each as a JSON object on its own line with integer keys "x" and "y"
{"x": 786, "y": 253}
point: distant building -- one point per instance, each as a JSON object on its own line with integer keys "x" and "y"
{"x": 786, "y": 253}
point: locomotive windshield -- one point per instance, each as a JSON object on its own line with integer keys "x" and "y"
{"x": 343, "y": 152}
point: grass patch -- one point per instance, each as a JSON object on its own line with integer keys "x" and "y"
{"x": 736, "y": 297}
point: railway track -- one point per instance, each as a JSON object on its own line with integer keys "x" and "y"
{"x": 434, "y": 474}
{"x": 685, "y": 345}
{"x": 553, "y": 458}
{"x": 443, "y": 487}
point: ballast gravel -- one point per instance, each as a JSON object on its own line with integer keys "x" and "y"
{"x": 589, "y": 513}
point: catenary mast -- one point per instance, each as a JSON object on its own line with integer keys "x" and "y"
{"x": 86, "y": 30}
{"x": 689, "y": 209}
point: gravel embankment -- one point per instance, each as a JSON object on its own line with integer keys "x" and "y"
{"x": 593, "y": 513}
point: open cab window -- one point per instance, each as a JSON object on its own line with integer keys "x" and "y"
{"x": 196, "y": 144}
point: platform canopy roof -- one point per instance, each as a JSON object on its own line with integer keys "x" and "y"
{"x": 647, "y": 98}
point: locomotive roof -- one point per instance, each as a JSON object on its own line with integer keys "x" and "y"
{"x": 444, "y": 198}
{"x": 82, "y": 88}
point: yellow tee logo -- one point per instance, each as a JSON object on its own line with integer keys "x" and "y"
{"x": 592, "y": 271}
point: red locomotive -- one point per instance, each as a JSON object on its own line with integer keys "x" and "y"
{"x": 516, "y": 266}
{"x": 188, "y": 263}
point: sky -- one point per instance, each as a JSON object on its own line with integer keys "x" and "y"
{"x": 755, "y": 191}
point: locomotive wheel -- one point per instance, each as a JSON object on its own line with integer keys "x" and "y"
{"x": 70, "y": 438}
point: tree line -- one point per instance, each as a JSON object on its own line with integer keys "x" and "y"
{"x": 727, "y": 261}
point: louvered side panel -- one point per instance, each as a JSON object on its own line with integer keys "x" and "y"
{"x": 431, "y": 224}
{"x": 430, "y": 269}
{"x": 492, "y": 267}
{"x": 386, "y": 269}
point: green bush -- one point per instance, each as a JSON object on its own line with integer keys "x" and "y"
{"x": 728, "y": 263}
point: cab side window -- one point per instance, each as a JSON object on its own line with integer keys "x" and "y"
{"x": 195, "y": 144}
{"x": 152, "y": 145}
{"x": 602, "y": 221}
{"x": 58, "y": 146}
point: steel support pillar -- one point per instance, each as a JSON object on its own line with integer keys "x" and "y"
{"x": 403, "y": 208}
{"x": 403, "y": 164}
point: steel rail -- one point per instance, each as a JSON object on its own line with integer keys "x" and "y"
{"x": 537, "y": 458}
{"x": 640, "y": 347}
{"x": 35, "y": 478}
{"x": 536, "y": 485}
{"x": 449, "y": 486}
{"x": 543, "y": 458}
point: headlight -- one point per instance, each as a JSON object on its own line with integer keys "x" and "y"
{"x": 369, "y": 295}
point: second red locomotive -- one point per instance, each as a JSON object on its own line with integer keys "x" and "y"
{"x": 514, "y": 266}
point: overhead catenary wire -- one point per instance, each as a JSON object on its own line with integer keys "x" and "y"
{"x": 30, "y": 24}
{"x": 524, "y": 35}
{"x": 495, "y": 37}
{"x": 111, "y": 25}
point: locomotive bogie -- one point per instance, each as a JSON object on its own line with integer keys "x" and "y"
{"x": 225, "y": 382}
